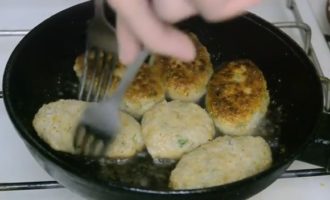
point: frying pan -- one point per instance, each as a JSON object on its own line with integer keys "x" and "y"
{"x": 40, "y": 71}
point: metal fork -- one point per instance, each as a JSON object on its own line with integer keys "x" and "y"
{"x": 101, "y": 121}
{"x": 101, "y": 56}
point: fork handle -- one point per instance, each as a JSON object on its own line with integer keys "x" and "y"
{"x": 130, "y": 74}
{"x": 99, "y": 12}
{"x": 99, "y": 9}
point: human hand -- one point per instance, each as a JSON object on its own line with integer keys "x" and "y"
{"x": 147, "y": 23}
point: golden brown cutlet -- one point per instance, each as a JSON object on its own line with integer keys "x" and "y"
{"x": 186, "y": 81}
{"x": 237, "y": 97}
{"x": 146, "y": 90}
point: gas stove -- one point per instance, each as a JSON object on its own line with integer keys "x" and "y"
{"x": 308, "y": 177}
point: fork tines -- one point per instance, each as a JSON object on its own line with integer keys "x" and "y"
{"x": 97, "y": 75}
{"x": 88, "y": 142}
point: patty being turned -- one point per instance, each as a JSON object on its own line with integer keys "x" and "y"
{"x": 237, "y": 97}
{"x": 170, "y": 129}
{"x": 146, "y": 90}
{"x": 187, "y": 81}
{"x": 56, "y": 123}
{"x": 224, "y": 160}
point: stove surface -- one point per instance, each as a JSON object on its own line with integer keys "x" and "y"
{"x": 17, "y": 164}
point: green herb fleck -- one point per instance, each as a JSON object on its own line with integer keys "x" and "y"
{"x": 182, "y": 142}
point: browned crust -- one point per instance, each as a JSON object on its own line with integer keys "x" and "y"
{"x": 78, "y": 66}
{"x": 236, "y": 92}
{"x": 147, "y": 84}
{"x": 185, "y": 77}
{"x": 116, "y": 77}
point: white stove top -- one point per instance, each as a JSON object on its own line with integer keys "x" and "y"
{"x": 16, "y": 163}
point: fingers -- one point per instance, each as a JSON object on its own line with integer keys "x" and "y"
{"x": 213, "y": 10}
{"x": 216, "y": 10}
{"x": 129, "y": 46}
{"x": 173, "y": 11}
{"x": 146, "y": 23}
{"x": 153, "y": 33}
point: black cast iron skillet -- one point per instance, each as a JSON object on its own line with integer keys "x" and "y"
{"x": 40, "y": 71}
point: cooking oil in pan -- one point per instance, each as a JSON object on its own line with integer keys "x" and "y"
{"x": 143, "y": 171}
